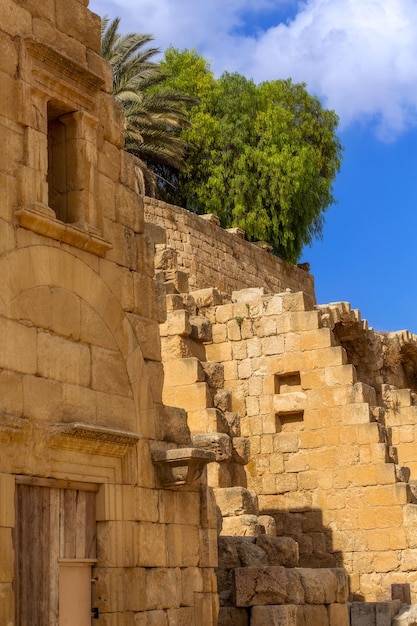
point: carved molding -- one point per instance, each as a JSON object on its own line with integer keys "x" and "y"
{"x": 42, "y": 220}
{"x": 179, "y": 467}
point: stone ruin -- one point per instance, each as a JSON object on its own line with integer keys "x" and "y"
{"x": 186, "y": 437}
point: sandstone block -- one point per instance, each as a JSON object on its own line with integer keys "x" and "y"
{"x": 260, "y": 585}
{"x": 241, "y": 526}
{"x": 269, "y": 524}
{"x": 222, "y": 400}
{"x": 219, "y": 443}
{"x": 236, "y": 501}
{"x": 338, "y": 614}
{"x": 207, "y": 421}
{"x": 163, "y": 588}
{"x": 207, "y": 297}
{"x": 275, "y": 616}
{"x": 314, "y": 615}
{"x": 294, "y": 402}
{"x": 280, "y": 550}
{"x": 18, "y": 348}
{"x": 232, "y": 616}
{"x": 183, "y": 372}
{"x": 173, "y": 425}
{"x": 295, "y": 589}
{"x": 63, "y": 360}
{"x": 241, "y": 450}
{"x": 177, "y": 323}
{"x": 219, "y": 352}
{"x": 208, "y": 556}
{"x": 190, "y": 397}
{"x": 201, "y": 329}
{"x": 42, "y": 398}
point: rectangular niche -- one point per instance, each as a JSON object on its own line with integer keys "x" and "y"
{"x": 288, "y": 382}
{"x": 289, "y": 422}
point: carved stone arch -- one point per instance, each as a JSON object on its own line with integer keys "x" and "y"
{"x": 27, "y": 270}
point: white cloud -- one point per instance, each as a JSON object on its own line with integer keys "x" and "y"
{"x": 359, "y": 56}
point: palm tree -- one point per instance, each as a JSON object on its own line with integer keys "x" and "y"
{"x": 154, "y": 116}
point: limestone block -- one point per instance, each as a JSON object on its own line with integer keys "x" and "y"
{"x": 248, "y": 295}
{"x": 18, "y": 351}
{"x": 183, "y": 372}
{"x": 241, "y": 526}
{"x": 14, "y": 19}
{"x": 192, "y": 581}
{"x": 209, "y": 512}
{"x": 232, "y": 616}
{"x": 314, "y": 615}
{"x": 163, "y": 588}
{"x": 207, "y": 421}
{"x": 294, "y": 402}
{"x": 219, "y": 333}
{"x": 241, "y": 450}
{"x": 295, "y": 589}
{"x": 207, "y": 297}
{"x": 260, "y": 585}
{"x": 219, "y": 443}
{"x": 63, "y": 360}
{"x": 299, "y": 301}
{"x": 342, "y": 591}
{"x": 214, "y": 374}
{"x": 150, "y": 546}
{"x": 208, "y": 547}
{"x": 236, "y": 501}
{"x": 280, "y": 550}
{"x": 275, "y": 616}
{"x": 11, "y": 393}
{"x": 78, "y": 22}
{"x": 42, "y": 399}
{"x": 150, "y": 618}
{"x": 338, "y": 614}
{"x": 109, "y": 371}
{"x": 183, "y": 545}
{"x": 233, "y": 420}
{"x": 184, "y": 616}
{"x": 219, "y": 352}
{"x": 116, "y": 543}
{"x": 269, "y": 524}
{"x": 201, "y": 329}
{"x": 177, "y": 323}
{"x": 190, "y": 397}
{"x": 172, "y": 425}
{"x": 147, "y": 333}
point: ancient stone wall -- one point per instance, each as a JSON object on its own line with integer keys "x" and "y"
{"x": 82, "y": 507}
{"x": 214, "y": 257}
{"x": 321, "y": 467}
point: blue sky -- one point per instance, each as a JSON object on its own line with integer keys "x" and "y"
{"x": 359, "y": 57}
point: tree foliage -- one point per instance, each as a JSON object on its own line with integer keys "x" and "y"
{"x": 261, "y": 157}
{"x": 155, "y": 113}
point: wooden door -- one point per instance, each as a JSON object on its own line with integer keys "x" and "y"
{"x": 55, "y": 540}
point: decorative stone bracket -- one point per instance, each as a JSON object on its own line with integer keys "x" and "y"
{"x": 178, "y": 467}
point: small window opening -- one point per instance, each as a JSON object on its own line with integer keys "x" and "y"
{"x": 58, "y": 160}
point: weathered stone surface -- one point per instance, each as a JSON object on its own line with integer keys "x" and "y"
{"x": 260, "y": 585}
{"x": 280, "y": 550}
{"x": 269, "y": 524}
{"x": 241, "y": 526}
{"x": 275, "y": 616}
{"x": 219, "y": 443}
{"x": 232, "y": 616}
{"x": 236, "y": 501}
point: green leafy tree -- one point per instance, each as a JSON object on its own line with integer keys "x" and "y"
{"x": 261, "y": 157}
{"x": 155, "y": 113}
